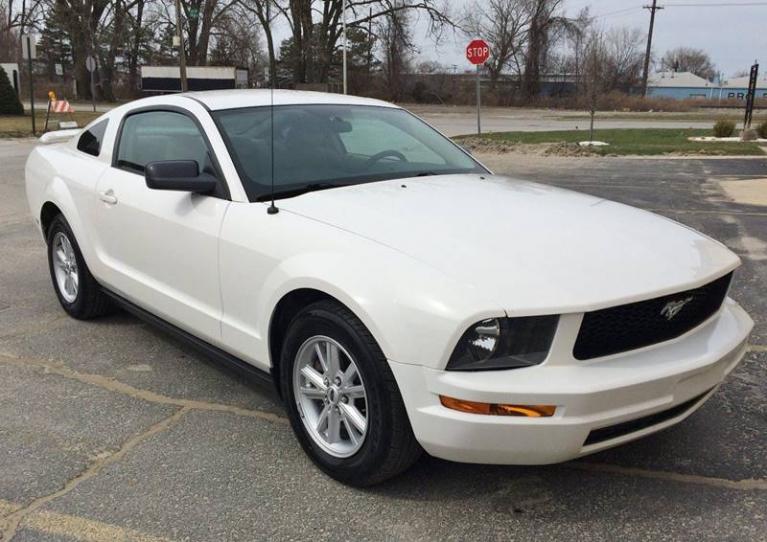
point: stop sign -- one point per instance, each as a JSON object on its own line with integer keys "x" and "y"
{"x": 477, "y": 52}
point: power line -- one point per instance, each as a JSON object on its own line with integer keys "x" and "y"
{"x": 681, "y": 5}
{"x": 617, "y": 12}
{"x": 717, "y": 5}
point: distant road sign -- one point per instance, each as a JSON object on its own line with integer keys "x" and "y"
{"x": 28, "y": 47}
{"x": 90, "y": 63}
{"x": 478, "y": 52}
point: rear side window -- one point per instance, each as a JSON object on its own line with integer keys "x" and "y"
{"x": 90, "y": 141}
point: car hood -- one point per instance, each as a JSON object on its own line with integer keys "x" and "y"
{"x": 533, "y": 248}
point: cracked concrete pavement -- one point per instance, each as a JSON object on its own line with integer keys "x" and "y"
{"x": 110, "y": 430}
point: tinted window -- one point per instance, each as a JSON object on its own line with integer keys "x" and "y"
{"x": 155, "y": 136}
{"x": 90, "y": 141}
{"x": 334, "y": 145}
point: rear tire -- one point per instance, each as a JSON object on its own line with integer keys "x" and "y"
{"x": 337, "y": 443}
{"x": 77, "y": 290}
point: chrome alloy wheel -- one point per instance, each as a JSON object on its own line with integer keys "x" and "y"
{"x": 330, "y": 396}
{"x": 65, "y": 267}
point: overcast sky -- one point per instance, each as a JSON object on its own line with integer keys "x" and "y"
{"x": 733, "y": 35}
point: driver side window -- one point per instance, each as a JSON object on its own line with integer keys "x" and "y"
{"x": 155, "y": 136}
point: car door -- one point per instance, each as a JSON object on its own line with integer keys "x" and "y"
{"x": 159, "y": 248}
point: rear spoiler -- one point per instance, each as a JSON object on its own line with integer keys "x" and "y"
{"x": 58, "y": 136}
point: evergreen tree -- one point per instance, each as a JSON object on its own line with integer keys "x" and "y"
{"x": 54, "y": 44}
{"x": 9, "y": 101}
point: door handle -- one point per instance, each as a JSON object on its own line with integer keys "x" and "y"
{"x": 108, "y": 197}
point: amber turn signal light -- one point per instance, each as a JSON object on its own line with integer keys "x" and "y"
{"x": 493, "y": 409}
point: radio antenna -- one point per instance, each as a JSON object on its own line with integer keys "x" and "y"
{"x": 272, "y": 210}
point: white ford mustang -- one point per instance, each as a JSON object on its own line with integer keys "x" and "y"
{"x": 400, "y": 296}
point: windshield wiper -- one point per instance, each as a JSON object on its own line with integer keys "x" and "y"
{"x": 311, "y": 187}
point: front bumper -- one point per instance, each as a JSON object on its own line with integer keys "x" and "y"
{"x": 589, "y": 396}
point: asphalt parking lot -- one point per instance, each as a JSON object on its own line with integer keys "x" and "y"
{"x": 109, "y": 430}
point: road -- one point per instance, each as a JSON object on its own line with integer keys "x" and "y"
{"x": 109, "y": 430}
{"x": 461, "y": 120}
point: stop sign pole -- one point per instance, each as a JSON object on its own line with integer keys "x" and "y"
{"x": 90, "y": 64}
{"x": 478, "y": 52}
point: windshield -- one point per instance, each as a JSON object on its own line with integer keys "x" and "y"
{"x": 325, "y": 146}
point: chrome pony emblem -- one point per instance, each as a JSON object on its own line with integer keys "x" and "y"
{"x": 672, "y": 308}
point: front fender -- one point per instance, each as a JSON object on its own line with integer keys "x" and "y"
{"x": 414, "y": 312}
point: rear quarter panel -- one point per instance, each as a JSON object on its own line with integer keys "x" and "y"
{"x": 66, "y": 177}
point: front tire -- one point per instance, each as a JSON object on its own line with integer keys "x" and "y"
{"x": 77, "y": 290}
{"x": 342, "y": 400}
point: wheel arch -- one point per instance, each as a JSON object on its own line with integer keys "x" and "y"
{"x": 287, "y": 308}
{"x": 59, "y": 199}
{"x": 48, "y": 212}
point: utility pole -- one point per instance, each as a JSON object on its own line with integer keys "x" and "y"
{"x": 370, "y": 42}
{"x": 10, "y": 20}
{"x": 346, "y": 41}
{"x": 181, "y": 53}
{"x": 655, "y": 7}
{"x": 27, "y": 40}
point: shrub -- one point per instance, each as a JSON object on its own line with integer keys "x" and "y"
{"x": 9, "y": 101}
{"x": 724, "y": 128}
{"x": 762, "y": 129}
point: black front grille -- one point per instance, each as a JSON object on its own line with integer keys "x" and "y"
{"x": 632, "y": 426}
{"x": 627, "y": 327}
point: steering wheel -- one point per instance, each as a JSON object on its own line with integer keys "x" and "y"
{"x": 384, "y": 154}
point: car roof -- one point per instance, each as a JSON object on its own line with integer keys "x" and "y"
{"x": 233, "y": 99}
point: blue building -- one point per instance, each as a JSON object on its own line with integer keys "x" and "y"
{"x": 681, "y": 86}
{"x": 736, "y": 88}
{"x": 686, "y": 85}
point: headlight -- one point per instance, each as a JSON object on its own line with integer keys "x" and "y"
{"x": 504, "y": 343}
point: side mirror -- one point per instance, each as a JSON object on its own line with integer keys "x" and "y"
{"x": 181, "y": 175}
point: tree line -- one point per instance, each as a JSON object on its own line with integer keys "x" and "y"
{"x": 529, "y": 39}
{"x": 533, "y": 38}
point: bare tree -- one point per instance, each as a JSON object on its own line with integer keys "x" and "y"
{"x": 9, "y": 39}
{"x": 267, "y": 12}
{"x": 687, "y": 59}
{"x": 82, "y": 19}
{"x": 595, "y": 61}
{"x": 576, "y": 37}
{"x": 115, "y": 32}
{"x": 505, "y": 24}
{"x": 138, "y": 38}
{"x": 546, "y": 18}
{"x": 201, "y": 17}
{"x": 624, "y": 58}
{"x": 316, "y": 28}
{"x": 396, "y": 42}
{"x": 237, "y": 41}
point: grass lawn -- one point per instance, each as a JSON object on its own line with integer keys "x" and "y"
{"x": 711, "y": 116}
{"x": 21, "y": 126}
{"x": 642, "y": 142}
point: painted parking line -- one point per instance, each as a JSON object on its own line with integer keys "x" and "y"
{"x": 76, "y": 528}
{"x": 746, "y": 192}
{"x": 751, "y": 484}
